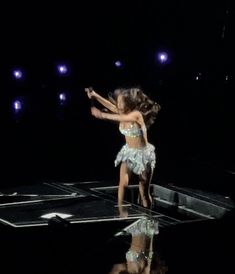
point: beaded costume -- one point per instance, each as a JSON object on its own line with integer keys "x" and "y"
{"x": 137, "y": 159}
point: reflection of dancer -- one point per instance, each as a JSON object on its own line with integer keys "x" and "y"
{"x": 140, "y": 257}
{"x": 135, "y": 112}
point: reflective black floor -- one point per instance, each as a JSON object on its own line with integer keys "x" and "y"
{"x": 139, "y": 243}
{"x": 203, "y": 247}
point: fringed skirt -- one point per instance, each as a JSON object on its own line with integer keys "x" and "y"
{"x": 144, "y": 225}
{"x": 137, "y": 159}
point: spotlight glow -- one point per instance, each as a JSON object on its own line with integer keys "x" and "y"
{"x": 17, "y": 106}
{"x": 162, "y": 57}
{"x": 62, "y": 69}
{"x": 17, "y": 74}
{"x": 62, "y": 97}
{"x": 199, "y": 76}
{"x": 54, "y": 214}
{"x": 118, "y": 64}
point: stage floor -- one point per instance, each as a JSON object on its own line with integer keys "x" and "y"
{"x": 77, "y": 228}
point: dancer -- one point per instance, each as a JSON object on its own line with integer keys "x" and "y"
{"x": 135, "y": 112}
{"x": 142, "y": 256}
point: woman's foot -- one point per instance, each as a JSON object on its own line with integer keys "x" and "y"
{"x": 123, "y": 212}
{"x": 146, "y": 203}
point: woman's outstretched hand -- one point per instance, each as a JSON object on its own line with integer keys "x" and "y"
{"x": 96, "y": 112}
{"x": 90, "y": 93}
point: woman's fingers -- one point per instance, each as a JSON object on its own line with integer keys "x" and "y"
{"x": 88, "y": 93}
{"x": 96, "y": 112}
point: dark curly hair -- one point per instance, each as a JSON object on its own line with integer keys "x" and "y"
{"x": 136, "y": 99}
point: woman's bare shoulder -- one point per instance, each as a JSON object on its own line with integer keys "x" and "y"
{"x": 139, "y": 117}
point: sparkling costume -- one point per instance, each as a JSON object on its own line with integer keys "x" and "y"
{"x": 137, "y": 159}
{"x": 144, "y": 226}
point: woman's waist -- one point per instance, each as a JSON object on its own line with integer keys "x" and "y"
{"x": 142, "y": 146}
{"x": 137, "y": 143}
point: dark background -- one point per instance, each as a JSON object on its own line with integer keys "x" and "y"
{"x": 193, "y": 133}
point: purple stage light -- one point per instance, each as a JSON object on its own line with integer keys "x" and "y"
{"x": 17, "y": 106}
{"x": 118, "y": 64}
{"x": 18, "y": 74}
{"x": 62, "y": 97}
{"x": 162, "y": 57}
{"x": 62, "y": 69}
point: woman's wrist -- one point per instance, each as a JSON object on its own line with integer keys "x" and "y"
{"x": 102, "y": 114}
{"x": 95, "y": 95}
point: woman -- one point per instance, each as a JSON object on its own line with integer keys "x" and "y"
{"x": 135, "y": 113}
{"x": 141, "y": 256}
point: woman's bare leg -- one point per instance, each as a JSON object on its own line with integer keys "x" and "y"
{"x": 123, "y": 182}
{"x": 144, "y": 187}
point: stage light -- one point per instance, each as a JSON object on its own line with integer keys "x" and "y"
{"x": 57, "y": 219}
{"x": 118, "y": 64}
{"x": 17, "y": 74}
{"x": 198, "y": 76}
{"x": 228, "y": 79}
{"x": 162, "y": 57}
{"x": 56, "y": 214}
{"x": 62, "y": 97}
{"x": 17, "y": 106}
{"x": 62, "y": 69}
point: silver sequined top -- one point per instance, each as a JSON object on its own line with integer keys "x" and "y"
{"x": 133, "y": 131}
